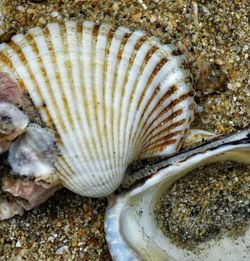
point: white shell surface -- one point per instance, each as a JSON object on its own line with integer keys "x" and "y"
{"x": 131, "y": 230}
{"x": 110, "y": 95}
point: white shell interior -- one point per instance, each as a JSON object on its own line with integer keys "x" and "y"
{"x": 133, "y": 234}
{"x": 111, "y": 96}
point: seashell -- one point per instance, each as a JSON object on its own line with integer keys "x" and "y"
{"x": 33, "y": 153}
{"x": 131, "y": 230}
{"x": 32, "y": 194}
{"x": 110, "y": 96}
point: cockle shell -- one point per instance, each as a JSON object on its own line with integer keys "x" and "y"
{"x": 110, "y": 95}
{"x": 131, "y": 229}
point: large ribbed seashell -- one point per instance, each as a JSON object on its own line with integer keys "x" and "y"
{"x": 131, "y": 229}
{"x": 110, "y": 95}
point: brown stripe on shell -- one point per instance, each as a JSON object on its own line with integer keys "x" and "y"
{"x": 140, "y": 39}
{"x": 6, "y": 60}
{"x": 143, "y": 40}
{"x": 123, "y": 43}
{"x": 159, "y": 147}
{"x": 140, "y": 42}
{"x": 157, "y": 68}
{"x": 111, "y": 34}
{"x": 166, "y": 130}
{"x": 165, "y": 110}
{"x": 192, "y": 106}
{"x": 161, "y": 63}
{"x": 18, "y": 51}
{"x": 169, "y": 92}
{"x": 105, "y": 69}
{"x": 137, "y": 47}
{"x": 153, "y": 49}
{"x": 68, "y": 66}
{"x": 80, "y": 28}
{"x": 82, "y": 68}
{"x": 160, "y": 140}
{"x": 46, "y": 34}
{"x": 95, "y": 30}
{"x": 175, "y": 102}
{"x": 176, "y": 52}
{"x": 164, "y": 122}
{"x": 169, "y": 107}
{"x": 114, "y": 89}
{"x": 30, "y": 39}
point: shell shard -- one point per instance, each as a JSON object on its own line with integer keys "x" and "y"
{"x": 32, "y": 194}
{"x": 130, "y": 216}
{"x": 12, "y": 123}
{"x": 110, "y": 95}
{"x": 33, "y": 153}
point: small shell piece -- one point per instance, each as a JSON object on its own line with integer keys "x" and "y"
{"x": 33, "y": 194}
{"x": 33, "y": 153}
{"x": 12, "y": 123}
{"x": 111, "y": 95}
{"x": 131, "y": 230}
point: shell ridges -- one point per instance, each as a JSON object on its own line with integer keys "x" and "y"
{"x": 110, "y": 95}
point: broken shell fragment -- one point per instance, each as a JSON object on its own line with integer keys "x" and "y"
{"x": 195, "y": 137}
{"x": 31, "y": 193}
{"x": 34, "y": 153}
{"x": 131, "y": 229}
{"x": 110, "y": 95}
{"x": 12, "y": 123}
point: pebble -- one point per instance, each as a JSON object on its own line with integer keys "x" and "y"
{"x": 137, "y": 17}
{"x": 18, "y": 244}
{"x": 62, "y": 250}
{"x": 20, "y": 8}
